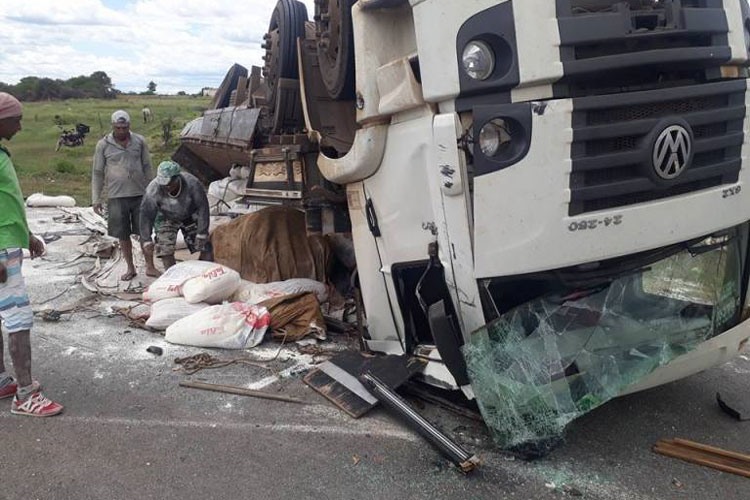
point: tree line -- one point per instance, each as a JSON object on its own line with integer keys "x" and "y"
{"x": 32, "y": 88}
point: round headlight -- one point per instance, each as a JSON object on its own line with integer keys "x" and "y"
{"x": 493, "y": 137}
{"x": 478, "y": 60}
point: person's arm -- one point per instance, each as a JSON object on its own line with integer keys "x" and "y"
{"x": 200, "y": 201}
{"x": 97, "y": 175}
{"x": 148, "y": 170}
{"x": 148, "y": 215}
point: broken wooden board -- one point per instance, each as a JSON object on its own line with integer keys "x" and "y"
{"x": 707, "y": 456}
{"x": 392, "y": 370}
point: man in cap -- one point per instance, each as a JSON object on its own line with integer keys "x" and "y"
{"x": 123, "y": 157}
{"x": 174, "y": 201}
{"x": 15, "y": 310}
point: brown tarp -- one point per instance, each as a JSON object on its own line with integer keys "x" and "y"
{"x": 272, "y": 245}
{"x": 294, "y": 317}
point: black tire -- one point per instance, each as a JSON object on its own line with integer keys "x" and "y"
{"x": 289, "y": 18}
{"x": 336, "y": 53}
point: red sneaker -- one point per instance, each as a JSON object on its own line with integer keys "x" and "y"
{"x": 36, "y": 406}
{"x": 8, "y": 390}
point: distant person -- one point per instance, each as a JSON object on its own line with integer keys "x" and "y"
{"x": 123, "y": 157}
{"x": 174, "y": 201}
{"x": 15, "y": 310}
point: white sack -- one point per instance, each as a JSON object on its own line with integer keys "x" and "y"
{"x": 214, "y": 285}
{"x": 167, "y": 311}
{"x": 169, "y": 284}
{"x": 229, "y": 326}
{"x": 223, "y": 192}
{"x": 42, "y": 200}
{"x": 255, "y": 293}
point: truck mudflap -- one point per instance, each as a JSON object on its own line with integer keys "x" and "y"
{"x": 594, "y": 336}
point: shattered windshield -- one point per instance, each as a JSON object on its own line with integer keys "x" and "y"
{"x": 548, "y": 361}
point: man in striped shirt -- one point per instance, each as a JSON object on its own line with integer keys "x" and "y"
{"x": 15, "y": 310}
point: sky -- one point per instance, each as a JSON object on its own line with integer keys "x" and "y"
{"x": 179, "y": 44}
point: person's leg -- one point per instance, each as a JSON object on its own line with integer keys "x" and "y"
{"x": 8, "y": 385}
{"x": 20, "y": 354}
{"x": 166, "y": 241}
{"x": 148, "y": 253}
{"x": 127, "y": 252}
{"x": 2, "y": 355}
{"x": 120, "y": 227}
{"x": 18, "y": 319}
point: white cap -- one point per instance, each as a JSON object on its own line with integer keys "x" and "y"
{"x": 120, "y": 116}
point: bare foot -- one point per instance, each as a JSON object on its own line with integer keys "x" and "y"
{"x": 128, "y": 276}
{"x": 153, "y": 273}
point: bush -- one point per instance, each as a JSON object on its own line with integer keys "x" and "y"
{"x": 64, "y": 167}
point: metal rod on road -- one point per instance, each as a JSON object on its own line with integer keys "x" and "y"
{"x": 463, "y": 459}
{"x": 239, "y": 391}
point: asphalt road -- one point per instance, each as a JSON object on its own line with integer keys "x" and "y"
{"x": 129, "y": 431}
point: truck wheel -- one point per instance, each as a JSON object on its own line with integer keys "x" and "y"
{"x": 335, "y": 37}
{"x": 287, "y": 24}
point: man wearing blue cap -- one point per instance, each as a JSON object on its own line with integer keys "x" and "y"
{"x": 174, "y": 201}
{"x": 123, "y": 158}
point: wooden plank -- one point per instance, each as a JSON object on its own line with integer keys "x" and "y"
{"x": 707, "y": 456}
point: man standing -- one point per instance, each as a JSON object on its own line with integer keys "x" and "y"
{"x": 174, "y": 201}
{"x": 123, "y": 156}
{"x": 15, "y": 310}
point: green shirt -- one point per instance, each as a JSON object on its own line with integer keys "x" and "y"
{"x": 14, "y": 230}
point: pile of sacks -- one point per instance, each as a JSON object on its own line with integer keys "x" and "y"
{"x": 205, "y": 304}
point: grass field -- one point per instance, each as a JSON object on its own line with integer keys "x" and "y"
{"x": 42, "y": 170}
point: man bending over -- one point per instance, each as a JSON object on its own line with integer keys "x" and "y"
{"x": 174, "y": 201}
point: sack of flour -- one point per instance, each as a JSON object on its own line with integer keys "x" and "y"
{"x": 42, "y": 200}
{"x": 213, "y": 286}
{"x": 168, "y": 311}
{"x": 229, "y": 326}
{"x": 255, "y": 293}
{"x": 169, "y": 284}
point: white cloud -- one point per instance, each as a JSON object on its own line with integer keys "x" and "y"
{"x": 179, "y": 44}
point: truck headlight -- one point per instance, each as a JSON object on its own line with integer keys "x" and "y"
{"x": 478, "y": 60}
{"x": 493, "y": 137}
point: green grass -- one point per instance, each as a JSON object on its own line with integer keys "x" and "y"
{"x": 42, "y": 170}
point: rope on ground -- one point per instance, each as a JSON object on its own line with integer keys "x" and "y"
{"x": 205, "y": 361}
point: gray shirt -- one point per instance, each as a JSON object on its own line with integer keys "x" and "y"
{"x": 190, "y": 204}
{"x": 128, "y": 169}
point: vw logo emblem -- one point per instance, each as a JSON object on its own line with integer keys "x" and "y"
{"x": 672, "y": 152}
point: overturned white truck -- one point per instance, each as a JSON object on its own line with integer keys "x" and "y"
{"x": 547, "y": 197}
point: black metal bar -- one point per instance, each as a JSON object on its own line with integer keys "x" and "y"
{"x": 466, "y": 461}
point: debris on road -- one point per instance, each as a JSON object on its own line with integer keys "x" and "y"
{"x": 338, "y": 380}
{"x": 735, "y": 405}
{"x": 708, "y": 456}
{"x": 465, "y": 461}
{"x": 155, "y": 350}
{"x": 205, "y": 361}
{"x": 239, "y": 391}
